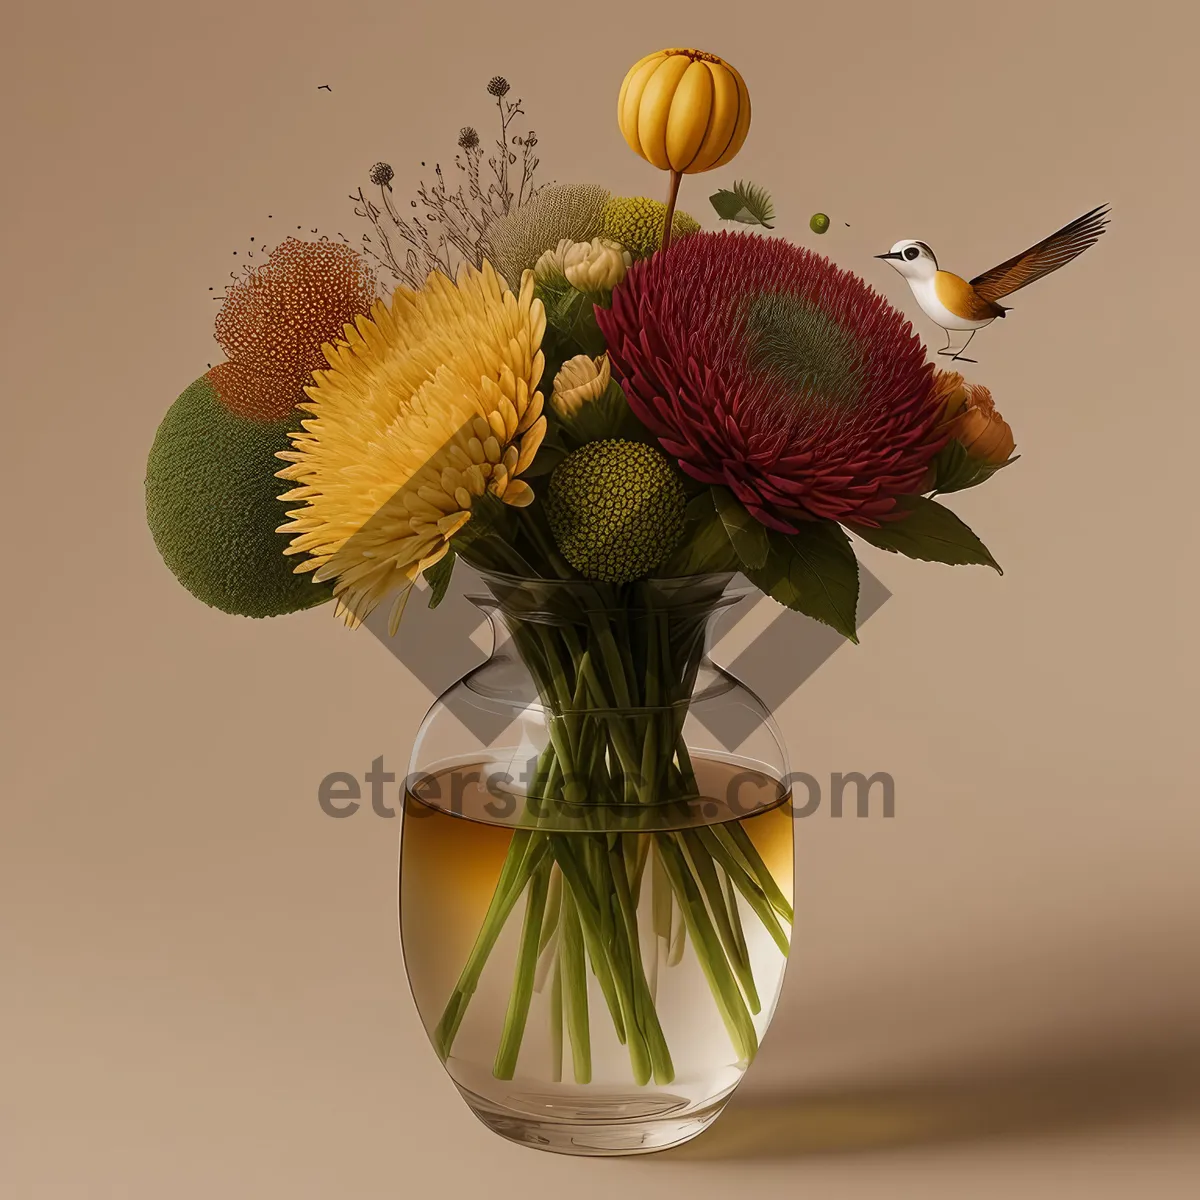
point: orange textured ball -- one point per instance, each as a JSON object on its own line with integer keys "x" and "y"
{"x": 276, "y": 318}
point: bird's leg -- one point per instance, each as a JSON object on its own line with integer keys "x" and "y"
{"x": 947, "y": 348}
{"x": 958, "y": 357}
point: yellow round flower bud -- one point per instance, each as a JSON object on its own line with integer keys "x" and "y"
{"x": 579, "y": 381}
{"x": 685, "y": 111}
{"x": 595, "y": 266}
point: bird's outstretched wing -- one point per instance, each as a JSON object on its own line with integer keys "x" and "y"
{"x": 1048, "y": 255}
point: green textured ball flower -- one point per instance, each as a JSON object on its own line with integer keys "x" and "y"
{"x": 636, "y": 222}
{"x": 616, "y": 509}
{"x": 212, "y": 507}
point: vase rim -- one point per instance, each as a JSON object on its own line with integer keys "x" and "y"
{"x": 680, "y": 595}
{"x": 664, "y": 583}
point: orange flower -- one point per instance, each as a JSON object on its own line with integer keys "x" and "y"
{"x": 970, "y": 413}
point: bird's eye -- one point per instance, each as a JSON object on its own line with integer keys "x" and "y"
{"x": 911, "y": 253}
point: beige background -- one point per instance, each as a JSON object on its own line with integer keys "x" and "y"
{"x": 995, "y": 993}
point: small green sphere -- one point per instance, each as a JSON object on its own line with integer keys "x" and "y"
{"x": 212, "y": 507}
{"x": 818, "y": 223}
{"x": 616, "y": 509}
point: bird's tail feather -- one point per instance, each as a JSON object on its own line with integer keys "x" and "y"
{"x": 1048, "y": 255}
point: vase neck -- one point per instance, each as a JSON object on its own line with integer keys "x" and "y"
{"x": 580, "y": 645}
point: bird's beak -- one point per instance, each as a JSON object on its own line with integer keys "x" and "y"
{"x": 889, "y": 254}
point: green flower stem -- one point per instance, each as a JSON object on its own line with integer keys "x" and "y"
{"x": 553, "y": 909}
{"x": 701, "y": 864}
{"x": 605, "y": 950}
{"x": 522, "y": 990}
{"x": 641, "y": 847}
{"x": 745, "y": 883}
{"x": 708, "y": 951}
{"x": 678, "y": 943}
{"x": 563, "y": 690}
{"x": 625, "y": 691}
{"x": 735, "y": 919}
{"x": 733, "y": 832}
{"x": 583, "y": 899}
{"x": 525, "y": 854}
{"x": 614, "y": 664}
{"x": 647, "y": 1014}
{"x": 643, "y": 769}
{"x": 556, "y": 1022}
{"x": 740, "y": 847}
{"x": 574, "y": 984}
{"x": 598, "y": 944}
{"x": 556, "y": 695}
{"x": 600, "y": 698}
{"x": 660, "y": 895}
{"x": 552, "y": 781}
{"x": 641, "y": 1060}
{"x": 625, "y": 648}
{"x": 593, "y": 908}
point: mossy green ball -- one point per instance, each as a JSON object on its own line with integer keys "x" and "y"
{"x": 211, "y": 503}
{"x": 616, "y": 509}
{"x": 818, "y": 223}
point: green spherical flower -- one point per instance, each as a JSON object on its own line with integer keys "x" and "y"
{"x": 637, "y": 224}
{"x": 616, "y": 509}
{"x": 819, "y": 223}
{"x": 212, "y": 509}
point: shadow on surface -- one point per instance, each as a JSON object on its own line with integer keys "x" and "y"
{"x": 1094, "y": 1089}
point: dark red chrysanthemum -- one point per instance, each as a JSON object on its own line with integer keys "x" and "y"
{"x": 763, "y": 367}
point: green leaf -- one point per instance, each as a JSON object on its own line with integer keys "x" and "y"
{"x": 438, "y": 577}
{"x": 705, "y": 545}
{"x": 747, "y": 203}
{"x": 572, "y": 316}
{"x": 748, "y": 535}
{"x": 955, "y": 470}
{"x": 701, "y": 507}
{"x": 932, "y": 533}
{"x": 813, "y": 572}
{"x": 584, "y": 332}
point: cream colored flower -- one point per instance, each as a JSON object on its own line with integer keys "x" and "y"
{"x": 549, "y": 268}
{"x": 595, "y": 266}
{"x": 579, "y": 381}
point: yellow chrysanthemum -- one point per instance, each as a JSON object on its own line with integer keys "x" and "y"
{"x": 427, "y": 405}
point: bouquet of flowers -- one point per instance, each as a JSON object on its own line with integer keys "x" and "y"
{"x": 560, "y": 386}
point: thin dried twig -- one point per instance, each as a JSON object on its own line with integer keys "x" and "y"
{"x": 448, "y": 225}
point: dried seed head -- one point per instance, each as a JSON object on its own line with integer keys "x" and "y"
{"x": 468, "y": 139}
{"x": 497, "y": 86}
{"x": 515, "y": 242}
{"x": 382, "y": 174}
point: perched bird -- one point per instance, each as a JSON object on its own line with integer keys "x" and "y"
{"x": 962, "y": 306}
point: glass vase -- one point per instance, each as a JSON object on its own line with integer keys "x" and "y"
{"x": 595, "y": 892}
